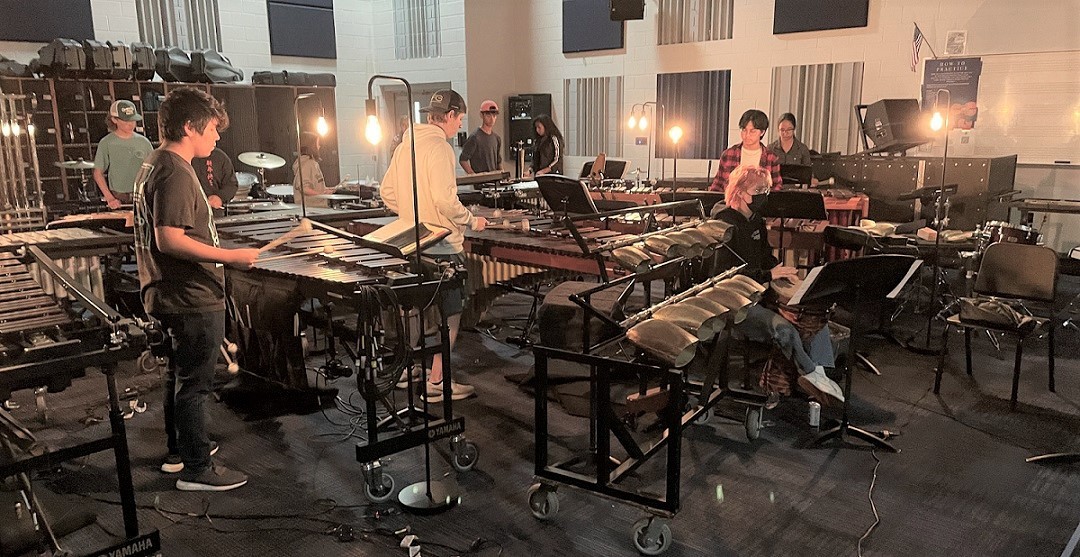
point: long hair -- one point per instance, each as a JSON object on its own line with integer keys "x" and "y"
{"x": 550, "y": 129}
{"x": 745, "y": 178}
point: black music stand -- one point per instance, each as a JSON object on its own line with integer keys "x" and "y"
{"x": 613, "y": 169}
{"x": 808, "y": 205}
{"x": 566, "y": 195}
{"x": 857, "y": 285}
{"x": 796, "y": 174}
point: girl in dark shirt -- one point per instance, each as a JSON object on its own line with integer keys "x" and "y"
{"x": 548, "y": 157}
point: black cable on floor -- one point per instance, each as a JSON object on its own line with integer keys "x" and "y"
{"x": 873, "y": 507}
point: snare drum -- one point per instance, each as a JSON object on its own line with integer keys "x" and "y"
{"x": 282, "y": 192}
{"x": 997, "y": 231}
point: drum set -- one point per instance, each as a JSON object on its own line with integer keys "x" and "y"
{"x": 993, "y": 232}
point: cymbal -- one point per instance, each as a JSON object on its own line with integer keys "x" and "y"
{"x": 259, "y": 159}
{"x": 76, "y": 165}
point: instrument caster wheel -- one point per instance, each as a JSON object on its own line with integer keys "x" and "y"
{"x": 543, "y": 501}
{"x": 753, "y": 422}
{"x": 465, "y": 457}
{"x": 380, "y": 493}
{"x": 705, "y": 417}
{"x": 651, "y": 543}
{"x": 148, "y": 363}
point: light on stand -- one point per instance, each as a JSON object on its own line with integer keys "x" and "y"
{"x": 937, "y": 121}
{"x": 631, "y": 122}
{"x": 321, "y": 127}
{"x": 941, "y": 207}
{"x": 299, "y": 146}
{"x": 643, "y": 123}
{"x": 675, "y": 133}
{"x": 373, "y": 131}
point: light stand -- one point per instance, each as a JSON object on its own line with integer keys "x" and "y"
{"x": 642, "y": 124}
{"x": 299, "y": 147}
{"x": 426, "y": 497}
{"x": 941, "y": 207}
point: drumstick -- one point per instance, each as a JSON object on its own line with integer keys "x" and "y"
{"x": 324, "y": 249}
{"x": 302, "y": 227}
{"x": 523, "y": 224}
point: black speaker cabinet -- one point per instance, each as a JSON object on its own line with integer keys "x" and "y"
{"x": 894, "y": 125}
{"x": 521, "y": 109}
{"x": 622, "y": 10}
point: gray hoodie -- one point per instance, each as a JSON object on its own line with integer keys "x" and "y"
{"x": 436, "y": 186}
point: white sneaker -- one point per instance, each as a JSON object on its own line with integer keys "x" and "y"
{"x": 458, "y": 391}
{"x": 403, "y": 381}
{"x": 817, "y": 383}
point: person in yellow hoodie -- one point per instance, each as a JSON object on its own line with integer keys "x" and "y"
{"x": 439, "y": 206}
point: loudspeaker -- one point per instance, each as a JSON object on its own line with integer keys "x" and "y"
{"x": 622, "y": 10}
{"x": 521, "y": 110}
{"x": 894, "y": 125}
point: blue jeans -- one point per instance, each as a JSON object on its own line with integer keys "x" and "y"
{"x": 767, "y": 326}
{"x": 194, "y": 343}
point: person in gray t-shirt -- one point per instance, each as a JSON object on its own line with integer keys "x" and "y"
{"x": 482, "y": 152}
{"x": 120, "y": 154}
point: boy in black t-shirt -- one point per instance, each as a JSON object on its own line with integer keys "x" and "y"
{"x": 182, "y": 276}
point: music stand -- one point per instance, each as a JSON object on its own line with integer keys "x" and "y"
{"x": 566, "y": 195}
{"x": 796, "y": 173}
{"x": 613, "y": 169}
{"x": 808, "y": 205}
{"x": 856, "y": 285}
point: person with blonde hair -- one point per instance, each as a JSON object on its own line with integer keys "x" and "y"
{"x": 745, "y": 193}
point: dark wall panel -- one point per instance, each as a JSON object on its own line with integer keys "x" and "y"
{"x": 587, "y": 26}
{"x": 794, "y": 16}
{"x": 302, "y": 30}
{"x": 45, "y": 20}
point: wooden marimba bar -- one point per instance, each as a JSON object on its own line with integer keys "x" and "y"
{"x": 322, "y": 259}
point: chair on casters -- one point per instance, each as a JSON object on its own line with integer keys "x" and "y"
{"x": 1020, "y": 272}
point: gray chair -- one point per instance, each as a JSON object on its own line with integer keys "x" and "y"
{"x": 1020, "y": 272}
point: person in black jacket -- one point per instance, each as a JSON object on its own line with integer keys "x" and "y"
{"x": 746, "y": 192}
{"x": 218, "y": 179}
{"x": 548, "y": 156}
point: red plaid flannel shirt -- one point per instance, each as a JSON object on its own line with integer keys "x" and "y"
{"x": 730, "y": 158}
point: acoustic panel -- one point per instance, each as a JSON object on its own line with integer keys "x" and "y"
{"x": 795, "y": 16}
{"x": 587, "y": 26}
{"x": 301, "y": 30}
{"x": 41, "y": 21}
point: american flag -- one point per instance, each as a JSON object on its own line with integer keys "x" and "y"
{"x": 916, "y": 44}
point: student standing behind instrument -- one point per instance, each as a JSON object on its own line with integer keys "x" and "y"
{"x": 439, "y": 205}
{"x": 217, "y": 177}
{"x": 788, "y": 149}
{"x": 182, "y": 277}
{"x": 308, "y": 178}
{"x": 749, "y": 152}
{"x": 482, "y": 152}
{"x": 548, "y": 157}
{"x": 119, "y": 154}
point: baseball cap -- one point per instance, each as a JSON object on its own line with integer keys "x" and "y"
{"x": 445, "y": 100}
{"x": 489, "y": 106}
{"x": 124, "y": 110}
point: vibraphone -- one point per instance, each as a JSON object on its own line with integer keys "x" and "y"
{"x": 48, "y": 340}
{"x": 78, "y": 251}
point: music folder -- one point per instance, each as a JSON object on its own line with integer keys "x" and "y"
{"x": 400, "y": 237}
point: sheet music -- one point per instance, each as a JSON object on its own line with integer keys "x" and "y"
{"x": 900, "y": 285}
{"x": 796, "y": 299}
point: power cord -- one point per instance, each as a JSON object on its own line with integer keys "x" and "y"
{"x": 873, "y": 507}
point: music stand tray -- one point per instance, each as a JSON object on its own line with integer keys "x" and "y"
{"x": 796, "y": 173}
{"x": 794, "y": 204}
{"x": 857, "y": 285}
{"x": 613, "y": 168}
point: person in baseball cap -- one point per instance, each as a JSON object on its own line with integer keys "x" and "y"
{"x": 437, "y": 200}
{"x": 120, "y": 154}
{"x": 482, "y": 152}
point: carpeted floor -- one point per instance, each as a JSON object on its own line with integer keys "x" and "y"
{"x": 960, "y": 486}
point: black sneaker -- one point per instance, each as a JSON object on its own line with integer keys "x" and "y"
{"x": 174, "y": 464}
{"x": 214, "y": 478}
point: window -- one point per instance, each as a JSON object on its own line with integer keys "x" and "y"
{"x": 822, "y": 98}
{"x": 188, "y": 24}
{"x": 698, "y": 103}
{"x": 416, "y": 29}
{"x": 692, "y": 21}
{"x": 592, "y": 119}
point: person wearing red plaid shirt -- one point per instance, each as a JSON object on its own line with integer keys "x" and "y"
{"x": 751, "y": 151}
